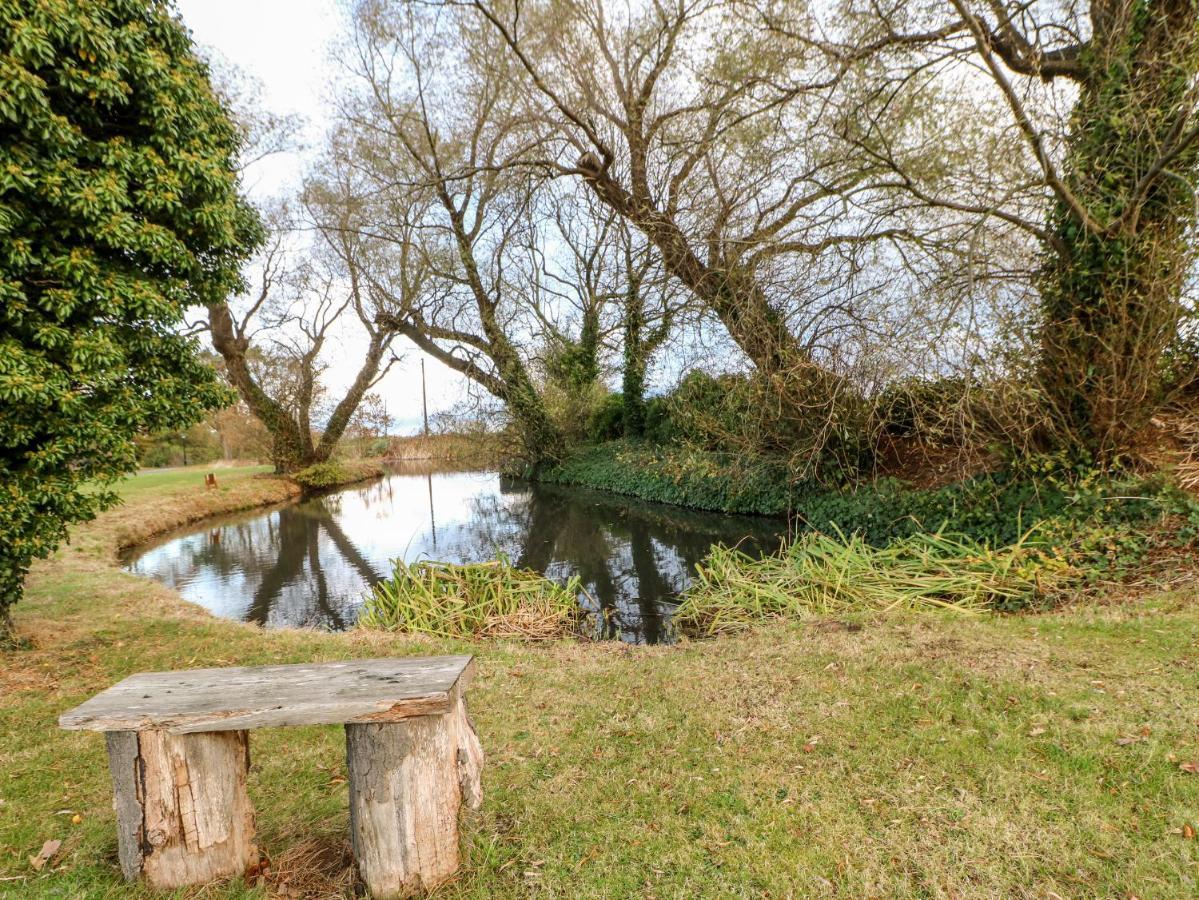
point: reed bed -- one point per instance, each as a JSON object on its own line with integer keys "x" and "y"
{"x": 490, "y": 599}
{"x": 822, "y": 575}
{"x": 480, "y": 448}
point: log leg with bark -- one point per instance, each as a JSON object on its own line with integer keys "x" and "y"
{"x": 183, "y": 814}
{"x": 408, "y": 782}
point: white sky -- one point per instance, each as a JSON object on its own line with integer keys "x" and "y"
{"x": 286, "y": 45}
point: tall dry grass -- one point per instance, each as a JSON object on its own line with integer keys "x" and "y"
{"x": 490, "y": 599}
{"x": 836, "y": 575}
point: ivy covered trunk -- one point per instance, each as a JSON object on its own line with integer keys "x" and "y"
{"x": 1112, "y": 290}
{"x": 635, "y": 363}
{"x": 542, "y": 440}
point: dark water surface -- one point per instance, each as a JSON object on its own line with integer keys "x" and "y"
{"x": 312, "y": 563}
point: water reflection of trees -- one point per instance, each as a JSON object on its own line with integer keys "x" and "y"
{"x": 292, "y": 562}
{"x": 632, "y": 557}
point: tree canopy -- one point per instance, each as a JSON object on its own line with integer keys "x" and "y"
{"x": 119, "y": 208}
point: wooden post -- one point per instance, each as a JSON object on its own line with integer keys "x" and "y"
{"x": 408, "y": 782}
{"x": 183, "y": 814}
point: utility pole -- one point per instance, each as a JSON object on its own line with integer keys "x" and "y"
{"x": 424, "y": 400}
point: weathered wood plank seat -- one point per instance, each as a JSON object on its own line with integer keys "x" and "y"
{"x": 178, "y": 748}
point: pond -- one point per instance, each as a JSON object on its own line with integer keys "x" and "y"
{"x": 312, "y": 563}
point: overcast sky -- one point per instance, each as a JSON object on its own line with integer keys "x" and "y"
{"x": 287, "y": 46}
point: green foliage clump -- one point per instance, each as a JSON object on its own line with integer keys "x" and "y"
{"x": 681, "y": 475}
{"x": 922, "y": 407}
{"x": 1105, "y": 523}
{"x": 704, "y": 409}
{"x": 492, "y": 598}
{"x": 119, "y": 208}
{"x": 659, "y": 427}
{"x": 789, "y": 421}
{"x": 607, "y": 419}
{"x": 321, "y": 476}
{"x": 845, "y": 576}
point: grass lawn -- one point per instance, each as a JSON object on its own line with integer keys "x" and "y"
{"x": 158, "y": 481}
{"x": 931, "y": 757}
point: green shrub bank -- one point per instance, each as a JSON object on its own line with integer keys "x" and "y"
{"x": 683, "y": 476}
{"x": 1100, "y": 516}
{"x": 323, "y": 476}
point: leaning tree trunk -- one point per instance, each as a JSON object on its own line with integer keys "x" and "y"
{"x": 821, "y": 405}
{"x": 344, "y": 411}
{"x": 291, "y": 448}
{"x": 542, "y": 439}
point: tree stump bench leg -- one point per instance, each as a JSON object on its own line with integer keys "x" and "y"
{"x": 183, "y": 814}
{"x": 408, "y": 782}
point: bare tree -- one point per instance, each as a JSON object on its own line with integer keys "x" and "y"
{"x": 274, "y": 348}
{"x": 425, "y": 164}
{"x": 719, "y": 143}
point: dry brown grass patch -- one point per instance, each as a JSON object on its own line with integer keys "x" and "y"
{"x": 314, "y": 869}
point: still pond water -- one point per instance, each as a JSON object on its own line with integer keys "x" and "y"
{"x": 312, "y": 563}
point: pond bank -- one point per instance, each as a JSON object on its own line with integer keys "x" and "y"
{"x": 1013, "y": 756}
{"x": 311, "y": 563}
{"x": 166, "y": 500}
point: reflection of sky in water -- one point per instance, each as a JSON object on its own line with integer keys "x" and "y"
{"x": 311, "y": 563}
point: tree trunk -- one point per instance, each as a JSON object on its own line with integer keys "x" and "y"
{"x": 183, "y": 814}
{"x": 408, "y": 782}
{"x": 287, "y": 442}
{"x": 336, "y": 426}
{"x": 541, "y": 437}
{"x": 1111, "y": 298}
{"x": 8, "y": 629}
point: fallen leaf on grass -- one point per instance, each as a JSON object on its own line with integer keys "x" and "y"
{"x": 1188, "y": 832}
{"x": 1191, "y": 767}
{"x": 44, "y": 855}
{"x": 1036, "y": 732}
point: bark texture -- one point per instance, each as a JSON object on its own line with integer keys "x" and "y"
{"x": 183, "y": 814}
{"x": 408, "y": 783}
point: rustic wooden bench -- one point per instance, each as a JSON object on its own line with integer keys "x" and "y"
{"x": 178, "y": 751}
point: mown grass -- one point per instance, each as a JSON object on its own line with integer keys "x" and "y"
{"x": 161, "y": 481}
{"x": 1023, "y": 756}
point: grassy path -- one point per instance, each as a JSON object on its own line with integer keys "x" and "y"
{"x": 1017, "y": 757}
